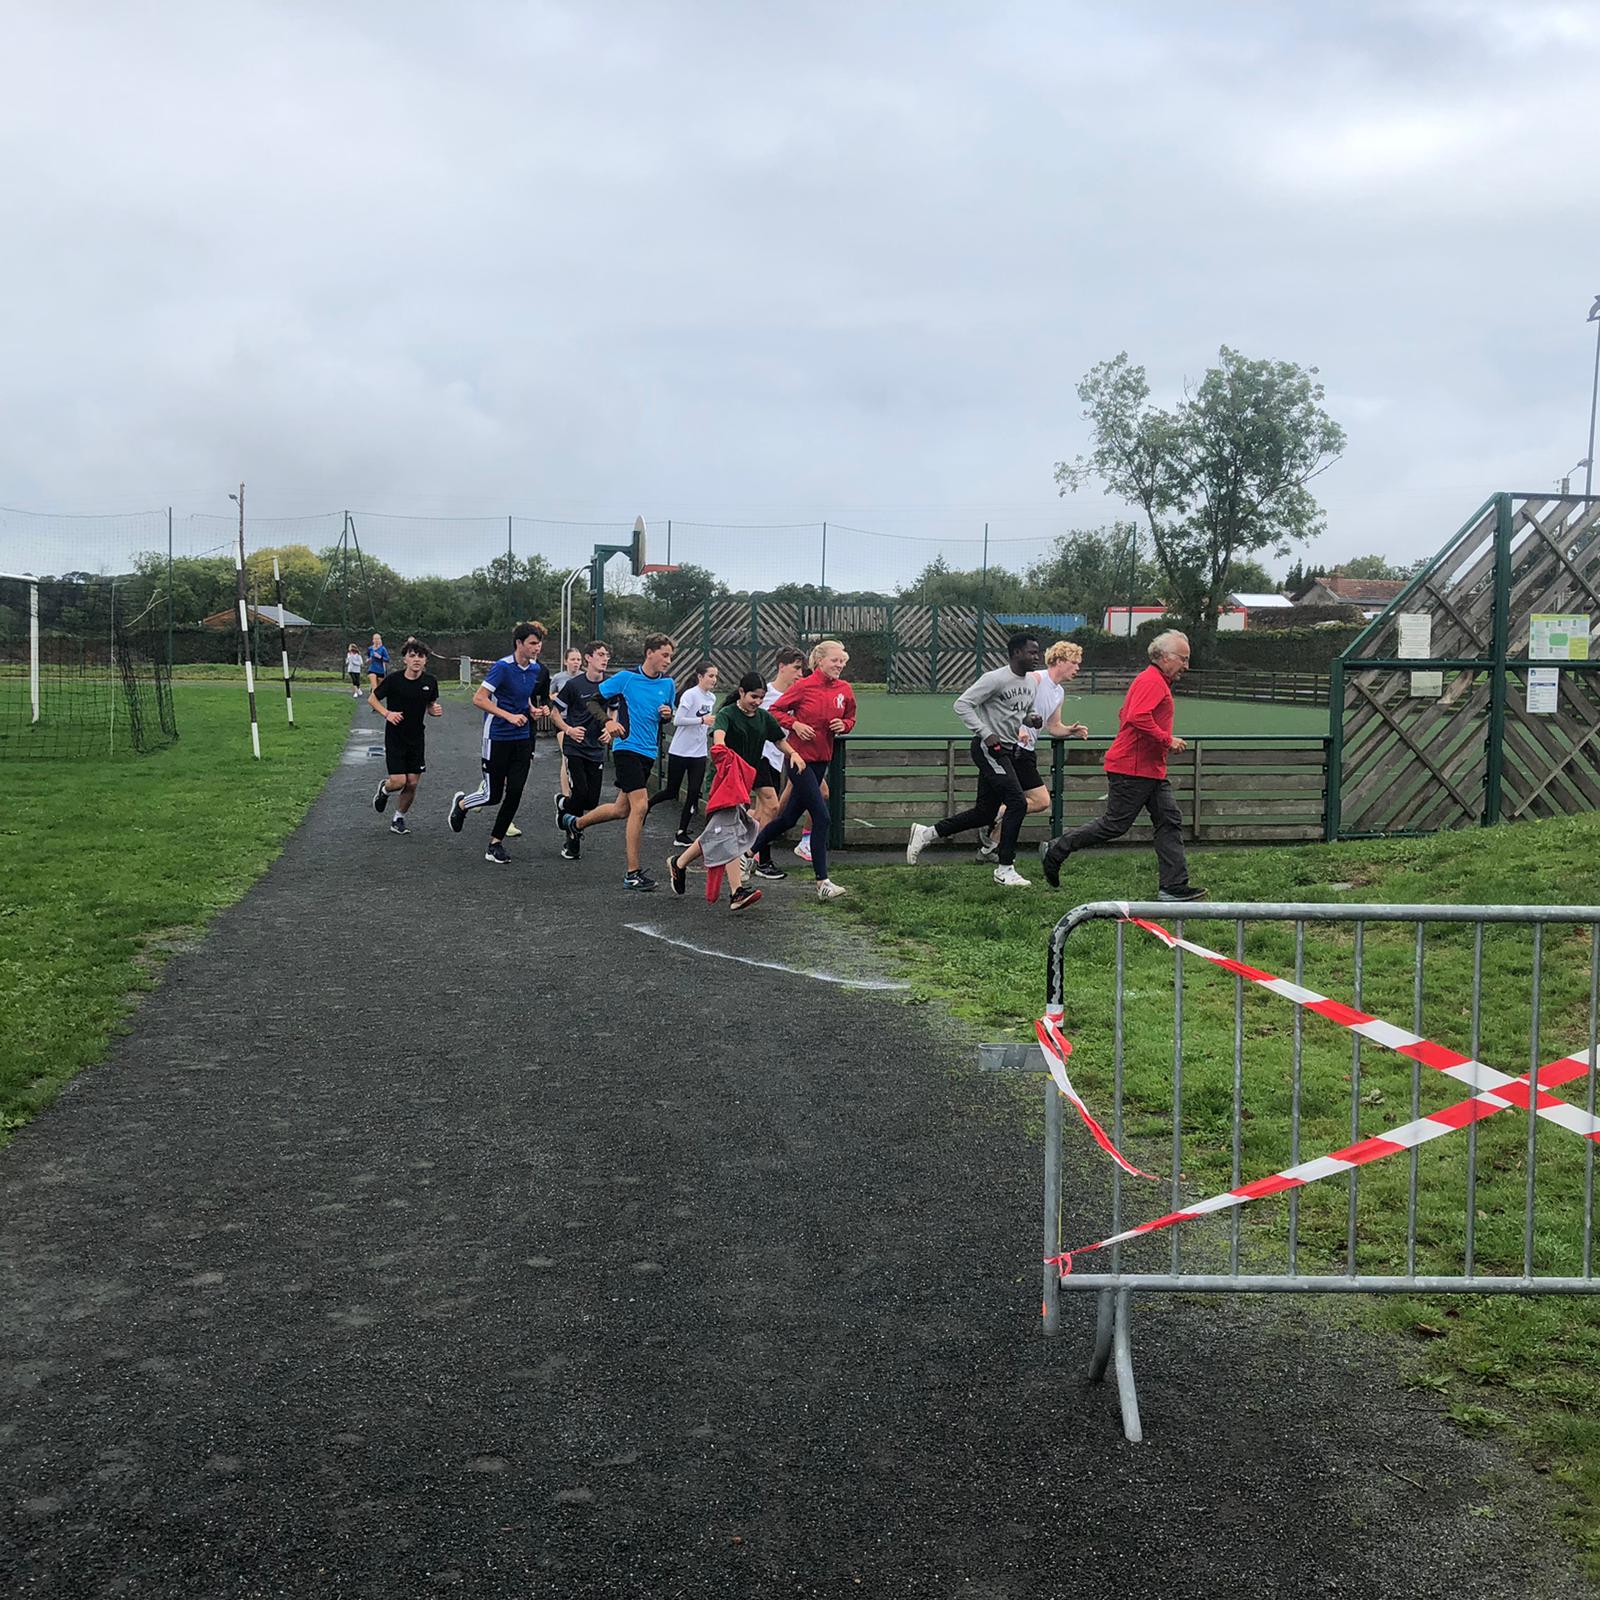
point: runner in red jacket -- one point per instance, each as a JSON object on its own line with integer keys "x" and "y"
{"x": 819, "y": 708}
{"x": 1136, "y": 775}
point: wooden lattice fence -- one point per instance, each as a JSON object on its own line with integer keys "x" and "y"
{"x": 1437, "y": 722}
{"x": 925, "y": 649}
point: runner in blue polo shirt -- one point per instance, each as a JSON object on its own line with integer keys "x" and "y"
{"x": 515, "y": 693}
{"x": 644, "y": 695}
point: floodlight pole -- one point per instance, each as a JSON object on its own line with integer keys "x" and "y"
{"x": 283, "y": 642}
{"x": 244, "y": 630}
{"x": 1594, "y": 397}
{"x": 33, "y": 646}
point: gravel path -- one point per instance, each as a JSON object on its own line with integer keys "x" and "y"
{"x": 432, "y": 1232}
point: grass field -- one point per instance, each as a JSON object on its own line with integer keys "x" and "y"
{"x": 879, "y": 712}
{"x": 1527, "y": 1369}
{"x": 109, "y": 864}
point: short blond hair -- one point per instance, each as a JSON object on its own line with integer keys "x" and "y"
{"x": 1063, "y": 650}
{"x": 822, "y": 647}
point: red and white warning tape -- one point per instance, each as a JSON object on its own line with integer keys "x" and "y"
{"x": 1496, "y": 1092}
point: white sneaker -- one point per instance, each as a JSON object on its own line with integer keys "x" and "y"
{"x": 921, "y": 837}
{"x": 803, "y": 849}
{"x": 989, "y": 849}
{"x": 1011, "y": 878}
{"x": 827, "y": 889}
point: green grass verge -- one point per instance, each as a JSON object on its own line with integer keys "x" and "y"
{"x": 109, "y": 864}
{"x": 1527, "y": 1369}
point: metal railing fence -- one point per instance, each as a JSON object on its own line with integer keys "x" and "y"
{"x": 1544, "y": 1245}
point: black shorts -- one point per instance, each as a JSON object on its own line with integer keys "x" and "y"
{"x": 1026, "y": 763}
{"x": 584, "y": 779}
{"x": 403, "y": 751}
{"x": 632, "y": 770}
{"x": 766, "y": 776}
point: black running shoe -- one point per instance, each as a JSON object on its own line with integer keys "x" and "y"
{"x": 458, "y": 816}
{"x": 574, "y": 835}
{"x": 639, "y": 882}
{"x": 745, "y": 896}
{"x": 1050, "y": 865}
{"x": 380, "y": 801}
{"x": 683, "y": 841}
{"x": 766, "y": 869}
{"x": 497, "y": 854}
{"x": 1187, "y": 892}
{"x": 397, "y": 824}
{"x": 570, "y": 850}
{"x": 677, "y": 876}
{"x": 561, "y": 810}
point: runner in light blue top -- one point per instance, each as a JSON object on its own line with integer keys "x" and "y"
{"x": 644, "y": 696}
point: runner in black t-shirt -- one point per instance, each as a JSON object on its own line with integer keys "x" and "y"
{"x": 580, "y": 715}
{"x": 402, "y": 699}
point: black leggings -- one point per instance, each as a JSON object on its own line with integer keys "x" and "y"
{"x": 805, "y": 794}
{"x": 997, "y": 786}
{"x": 505, "y": 773}
{"x": 678, "y": 768}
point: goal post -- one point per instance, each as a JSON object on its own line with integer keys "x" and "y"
{"x": 32, "y": 582}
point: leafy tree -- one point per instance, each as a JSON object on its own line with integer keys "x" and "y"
{"x": 1091, "y": 569}
{"x": 302, "y": 571}
{"x": 940, "y": 584}
{"x": 1300, "y": 577}
{"x": 1221, "y": 475}
{"x": 1248, "y": 576}
{"x": 670, "y": 596}
{"x": 1370, "y": 567}
{"x": 201, "y": 585}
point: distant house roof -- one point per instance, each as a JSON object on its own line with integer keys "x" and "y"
{"x": 266, "y": 614}
{"x": 1061, "y": 621}
{"x": 1355, "y": 591}
{"x": 1260, "y": 602}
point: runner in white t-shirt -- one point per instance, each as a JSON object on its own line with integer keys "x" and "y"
{"x": 686, "y": 755}
{"x": 1061, "y": 663}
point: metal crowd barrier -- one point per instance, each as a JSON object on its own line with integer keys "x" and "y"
{"x": 1205, "y": 1264}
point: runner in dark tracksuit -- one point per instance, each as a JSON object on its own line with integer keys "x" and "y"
{"x": 994, "y": 708}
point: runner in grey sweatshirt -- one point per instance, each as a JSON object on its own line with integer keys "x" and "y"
{"x": 994, "y": 708}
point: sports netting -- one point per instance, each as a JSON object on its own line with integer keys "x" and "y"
{"x": 82, "y": 673}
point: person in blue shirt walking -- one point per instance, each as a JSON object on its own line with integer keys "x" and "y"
{"x": 514, "y": 694}
{"x": 643, "y": 695}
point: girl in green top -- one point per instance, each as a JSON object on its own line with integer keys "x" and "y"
{"x": 744, "y": 728}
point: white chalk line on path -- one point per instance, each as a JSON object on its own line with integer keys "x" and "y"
{"x": 772, "y": 966}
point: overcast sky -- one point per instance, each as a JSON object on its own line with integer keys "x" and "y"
{"x": 742, "y": 263}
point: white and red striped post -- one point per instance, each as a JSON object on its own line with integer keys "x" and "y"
{"x": 283, "y": 642}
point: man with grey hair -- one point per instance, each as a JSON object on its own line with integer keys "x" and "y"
{"x": 1136, "y": 775}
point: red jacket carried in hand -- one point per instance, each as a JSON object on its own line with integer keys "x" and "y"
{"x": 816, "y": 701}
{"x": 1145, "y": 733}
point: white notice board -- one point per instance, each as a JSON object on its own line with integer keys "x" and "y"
{"x": 1544, "y": 691}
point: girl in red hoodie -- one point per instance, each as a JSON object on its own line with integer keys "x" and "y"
{"x": 815, "y": 711}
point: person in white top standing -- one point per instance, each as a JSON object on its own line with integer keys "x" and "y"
{"x": 352, "y": 665}
{"x": 1061, "y": 663}
{"x": 687, "y": 754}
